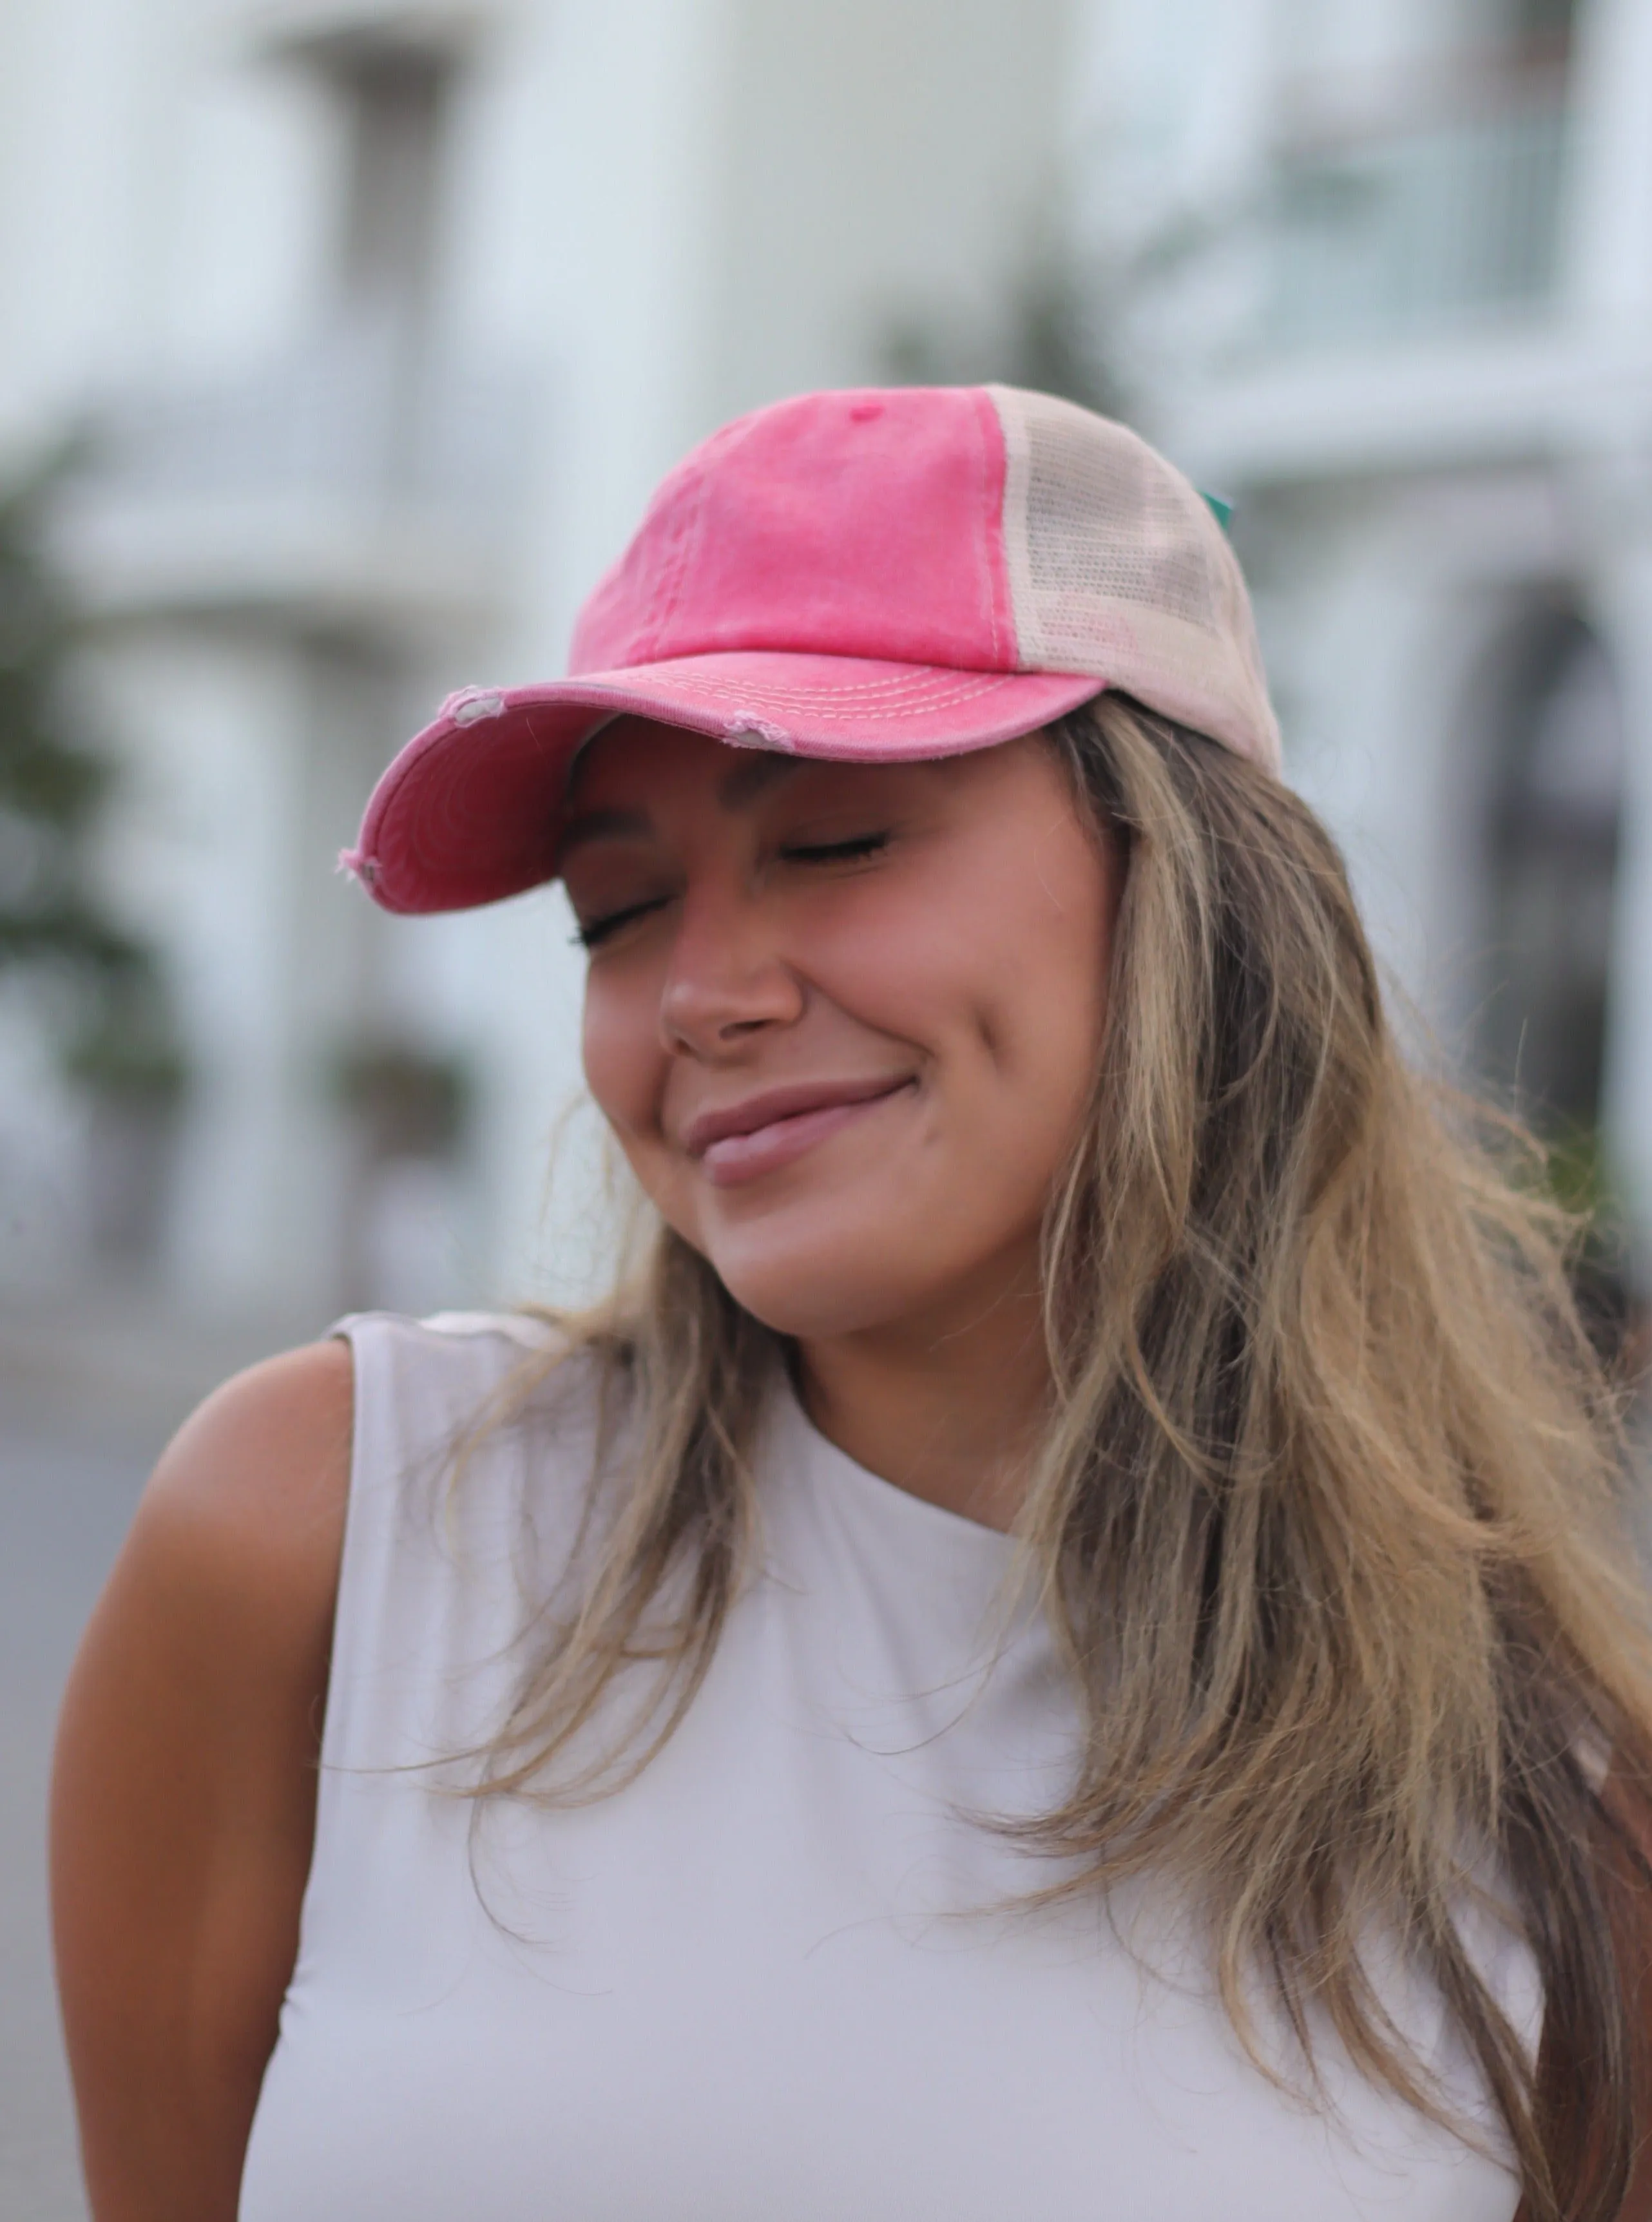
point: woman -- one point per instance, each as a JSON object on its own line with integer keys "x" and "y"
{"x": 1065, "y": 1649}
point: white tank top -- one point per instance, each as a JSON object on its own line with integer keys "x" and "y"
{"x": 767, "y": 1981}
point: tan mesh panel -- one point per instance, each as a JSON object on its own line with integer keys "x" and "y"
{"x": 1074, "y": 480}
{"x": 1117, "y": 566}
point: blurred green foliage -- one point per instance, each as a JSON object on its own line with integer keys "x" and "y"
{"x": 99, "y": 987}
{"x": 1576, "y": 1174}
{"x": 408, "y": 1101}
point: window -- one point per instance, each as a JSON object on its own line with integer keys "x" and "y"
{"x": 1546, "y": 23}
{"x": 396, "y": 100}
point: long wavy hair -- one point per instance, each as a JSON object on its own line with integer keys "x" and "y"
{"x": 1329, "y": 1516}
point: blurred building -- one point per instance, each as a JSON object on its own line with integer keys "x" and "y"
{"x": 1381, "y": 270}
{"x": 386, "y": 319}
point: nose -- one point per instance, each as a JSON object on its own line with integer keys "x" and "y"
{"x": 728, "y": 982}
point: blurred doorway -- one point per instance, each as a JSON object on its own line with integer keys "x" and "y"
{"x": 1554, "y": 833}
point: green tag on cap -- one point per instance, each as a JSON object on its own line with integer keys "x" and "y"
{"x": 1221, "y": 510}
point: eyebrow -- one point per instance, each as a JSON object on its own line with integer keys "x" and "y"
{"x": 735, "y": 790}
{"x": 759, "y": 772}
{"x": 603, "y": 825}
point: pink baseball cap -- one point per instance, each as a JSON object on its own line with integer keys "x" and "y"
{"x": 875, "y": 575}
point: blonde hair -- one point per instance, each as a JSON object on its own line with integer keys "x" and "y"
{"x": 1329, "y": 1516}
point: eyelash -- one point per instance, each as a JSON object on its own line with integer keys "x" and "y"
{"x": 589, "y": 937}
{"x": 837, "y": 852}
{"x": 827, "y": 852}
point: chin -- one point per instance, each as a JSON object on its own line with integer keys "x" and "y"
{"x": 816, "y": 1291}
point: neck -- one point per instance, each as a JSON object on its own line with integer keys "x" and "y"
{"x": 950, "y": 1407}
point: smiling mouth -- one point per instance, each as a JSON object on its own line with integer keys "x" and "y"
{"x": 769, "y": 1131}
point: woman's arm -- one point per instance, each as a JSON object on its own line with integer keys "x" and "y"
{"x": 184, "y": 1798}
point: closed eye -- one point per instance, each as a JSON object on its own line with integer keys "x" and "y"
{"x": 835, "y": 852}
{"x": 591, "y": 933}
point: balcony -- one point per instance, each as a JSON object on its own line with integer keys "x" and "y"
{"x": 1434, "y": 227}
{"x": 338, "y": 487}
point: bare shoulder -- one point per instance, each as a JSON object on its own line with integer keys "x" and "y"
{"x": 184, "y": 1795}
{"x": 231, "y": 1567}
{"x": 253, "y": 1486}
{"x": 271, "y": 1444}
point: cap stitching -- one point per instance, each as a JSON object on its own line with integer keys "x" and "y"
{"x": 882, "y": 689}
{"x": 984, "y": 461}
{"x": 912, "y": 706}
{"x": 1029, "y": 643}
{"x": 940, "y": 683}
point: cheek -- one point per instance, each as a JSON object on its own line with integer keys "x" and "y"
{"x": 1023, "y": 969}
{"x": 1039, "y": 1012}
{"x": 1058, "y": 964}
{"x": 1003, "y": 993}
{"x": 1040, "y": 1029}
{"x": 623, "y": 1063}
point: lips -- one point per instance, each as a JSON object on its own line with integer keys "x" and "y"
{"x": 742, "y": 1140}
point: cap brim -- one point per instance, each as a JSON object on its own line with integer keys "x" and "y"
{"x": 470, "y": 810}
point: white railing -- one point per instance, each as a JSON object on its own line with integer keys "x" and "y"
{"x": 1395, "y": 233}
{"x": 341, "y": 424}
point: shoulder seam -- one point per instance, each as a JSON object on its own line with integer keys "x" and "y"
{"x": 528, "y": 1333}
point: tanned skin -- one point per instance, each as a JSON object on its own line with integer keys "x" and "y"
{"x": 753, "y": 923}
{"x": 184, "y": 1798}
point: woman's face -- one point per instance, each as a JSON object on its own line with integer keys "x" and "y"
{"x": 843, "y": 1019}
